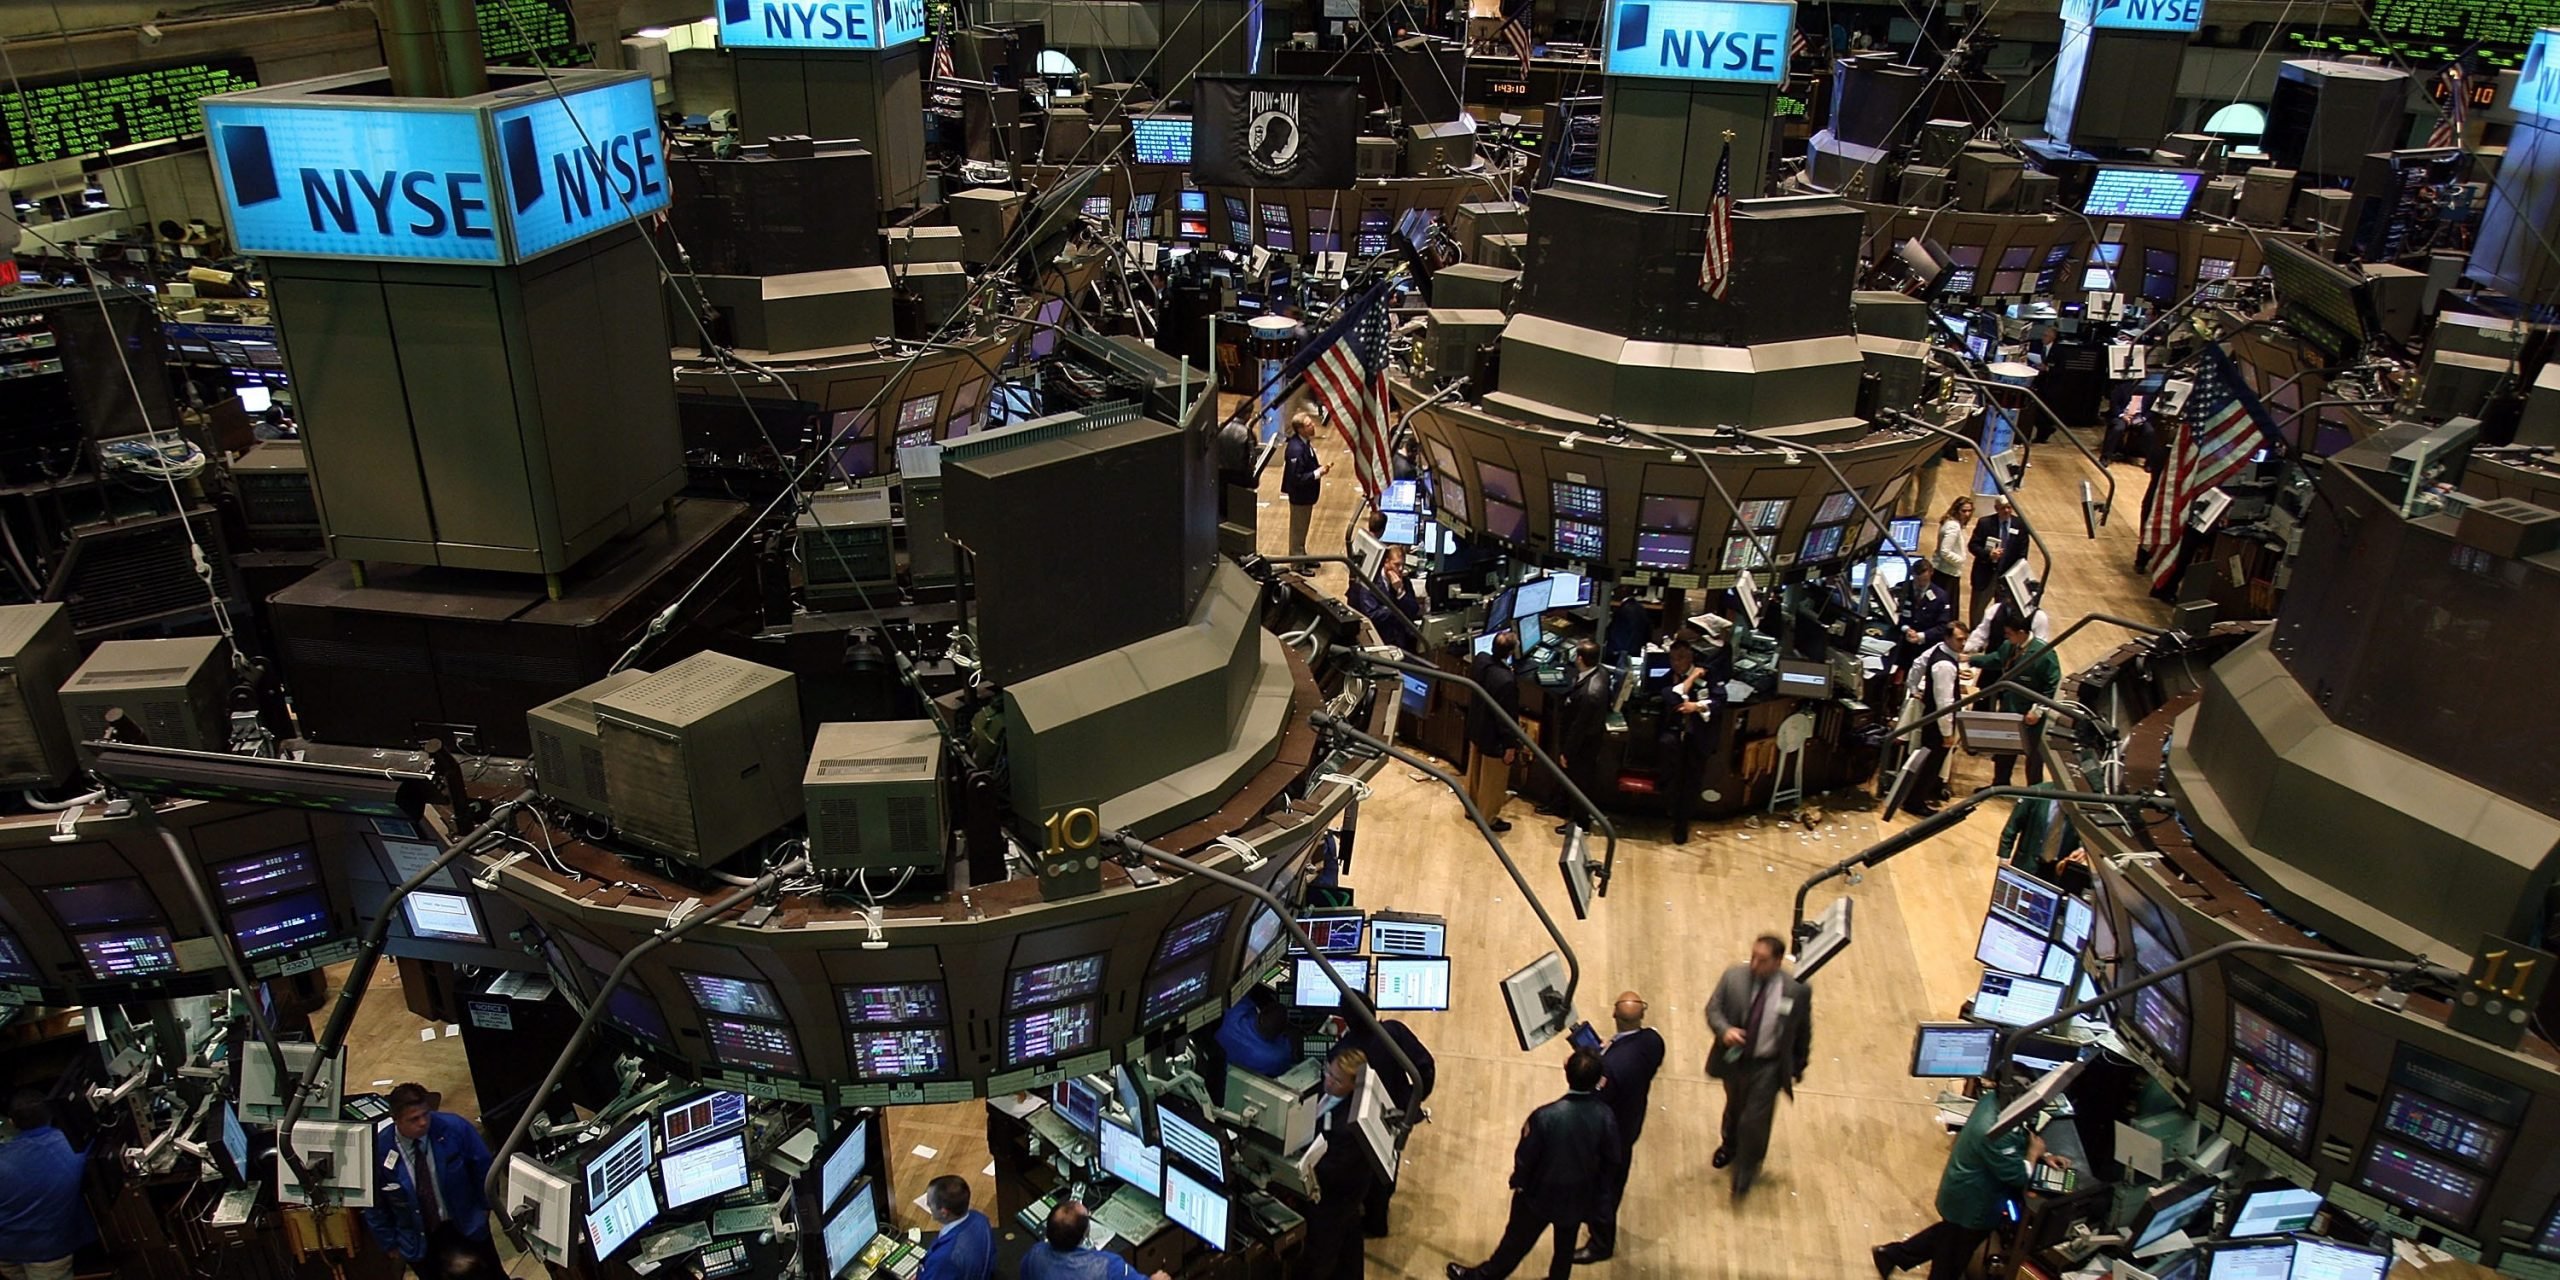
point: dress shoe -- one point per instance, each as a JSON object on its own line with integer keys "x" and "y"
{"x": 1564, "y": 828}
{"x": 1586, "y": 1255}
{"x": 1740, "y": 1189}
{"x": 1680, "y": 835}
{"x": 1499, "y": 826}
{"x": 1724, "y": 1156}
{"x": 1883, "y": 1268}
{"x": 1461, "y": 1271}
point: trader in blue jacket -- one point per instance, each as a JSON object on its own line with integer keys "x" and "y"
{"x": 429, "y": 1167}
{"x": 1301, "y": 481}
{"x": 966, "y": 1247}
{"x": 42, "y": 1218}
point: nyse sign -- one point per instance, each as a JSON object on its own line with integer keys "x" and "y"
{"x": 1734, "y": 40}
{"x": 2135, "y": 15}
{"x": 2538, "y": 84}
{"x": 580, "y": 164}
{"x": 820, "y": 24}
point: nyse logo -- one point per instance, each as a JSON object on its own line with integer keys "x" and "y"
{"x": 422, "y": 204}
{"x": 1759, "y": 54}
{"x": 2153, "y": 13}
{"x": 835, "y": 22}
{"x": 588, "y": 180}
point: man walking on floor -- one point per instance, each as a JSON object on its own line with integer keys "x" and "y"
{"x": 1569, "y": 1156}
{"x": 1763, "y": 1024}
{"x": 1627, "y": 1067}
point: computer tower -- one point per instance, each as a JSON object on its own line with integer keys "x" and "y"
{"x": 1940, "y": 140}
{"x": 568, "y": 749}
{"x": 2037, "y": 190}
{"x": 36, "y": 652}
{"x": 2322, "y": 210}
{"x": 875, "y": 798}
{"x": 846, "y": 546}
{"x": 1376, "y": 156}
{"x": 703, "y": 758}
{"x": 174, "y": 691}
{"x": 985, "y": 217}
{"x": 273, "y": 480}
{"x": 1987, "y": 181}
{"x": 1446, "y": 146}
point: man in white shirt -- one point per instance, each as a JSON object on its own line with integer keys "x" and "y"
{"x": 1933, "y": 685}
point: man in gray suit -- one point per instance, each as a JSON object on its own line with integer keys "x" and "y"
{"x": 1763, "y": 1024}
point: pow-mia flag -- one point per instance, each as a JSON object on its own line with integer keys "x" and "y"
{"x": 1275, "y": 131}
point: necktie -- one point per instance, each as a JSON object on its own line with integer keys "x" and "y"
{"x": 424, "y": 1175}
{"x": 1751, "y": 1024}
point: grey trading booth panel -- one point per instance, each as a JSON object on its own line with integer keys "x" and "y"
{"x": 1667, "y": 135}
{"x": 850, "y": 379}
{"x": 511, "y": 418}
{"x": 1158, "y": 733}
{"x": 2426, "y": 646}
{"x": 2491, "y": 478}
{"x": 1876, "y": 463}
{"x": 968, "y": 949}
{"x": 1680, "y": 384}
{"x": 119, "y": 848}
{"x": 876, "y": 95}
{"x": 2523, "y": 203}
{"x": 2114, "y": 88}
{"x": 1888, "y": 225}
{"x": 1302, "y": 209}
{"x": 802, "y": 311}
{"x": 2327, "y": 824}
{"x": 2358, "y": 1037}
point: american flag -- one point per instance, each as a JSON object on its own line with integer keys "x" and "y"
{"x": 1346, "y": 367}
{"x": 1715, "y": 270}
{"x": 1516, "y": 32}
{"x": 941, "y": 69}
{"x": 2224, "y": 424}
{"x": 2457, "y": 109}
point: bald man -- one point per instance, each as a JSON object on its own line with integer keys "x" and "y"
{"x": 1062, "y": 1255}
{"x": 1627, "y": 1068}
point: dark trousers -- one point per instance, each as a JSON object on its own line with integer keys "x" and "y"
{"x": 1986, "y": 589}
{"x": 1529, "y": 1220}
{"x": 1604, "y": 1228}
{"x": 1750, "y": 1107}
{"x": 1929, "y": 782}
{"x": 2035, "y": 759}
{"x": 1685, "y": 771}
{"x": 1945, "y": 1248}
{"x": 451, "y": 1254}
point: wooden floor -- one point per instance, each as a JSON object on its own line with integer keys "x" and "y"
{"x": 1855, "y": 1158}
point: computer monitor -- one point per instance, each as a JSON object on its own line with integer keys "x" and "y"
{"x": 633, "y": 1011}
{"x": 908, "y": 1053}
{"x": 1195, "y": 1206}
{"x": 1333, "y": 932}
{"x": 702, "y": 1119}
{"x": 2272, "y": 1209}
{"x": 443, "y": 917}
{"x": 2248, "y": 1260}
{"x": 2026, "y": 900}
{"x": 230, "y": 1145}
{"x": 2167, "y": 1210}
{"x": 1188, "y": 1138}
{"x": 1952, "y": 1050}
{"x": 892, "y": 1004}
{"x": 742, "y": 997}
{"x": 127, "y": 953}
{"x": 339, "y": 1154}
{"x": 1401, "y": 497}
{"x": 1314, "y": 991}
{"x": 2007, "y": 947}
{"x": 756, "y": 1046}
{"x": 2410, "y": 1178}
{"x": 15, "y": 964}
{"x": 281, "y": 924}
{"x": 1043, "y": 1034}
{"x": 620, "y": 1199}
{"x": 1127, "y": 1157}
{"x": 1058, "y": 980}
{"x": 246, "y": 880}
{"x": 1568, "y": 590}
{"x": 1412, "y": 984}
{"x": 1191, "y": 937}
{"x": 1170, "y": 993}
{"x": 1079, "y": 1103}
{"x": 2078, "y": 920}
{"x": 2141, "y": 193}
{"x": 850, "y": 1228}
{"x": 2320, "y": 1258}
{"x": 2036, "y": 1097}
{"x": 714, "y": 1168}
{"x": 101, "y": 903}
{"x": 1161, "y": 140}
{"x": 1801, "y": 679}
{"x": 1393, "y": 933}
{"x": 843, "y": 1163}
{"x": 2015, "y": 1001}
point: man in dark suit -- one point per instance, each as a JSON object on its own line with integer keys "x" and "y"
{"x": 1627, "y": 1066}
{"x": 1489, "y": 771}
{"x": 1345, "y": 1180}
{"x": 1998, "y": 541}
{"x": 1407, "y": 1093}
{"x": 1763, "y": 1025}
{"x": 428, "y": 1208}
{"x": 1569, "y": 1157}
{"x": 1301, "y": 481}
{"x": 1689, "y": 705}
{"x": 1585, "y": 728}
{"x": 1927, "y": 607}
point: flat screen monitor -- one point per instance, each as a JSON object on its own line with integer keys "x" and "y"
{"x": 1264, "y": 937}
{"x": 755, "y": 1046}
{"x": 231, "y": 1150}
{"x": 2162, "y": 1024}
{"x": 2273, "y": 1047}
{"x": 1905, "y": 534}
{"x": 714, "y": 1168}
{"x": 1127, "y": 1157}
{"x": 1191, "y": 937}
{"x": 1195, "y": 1206}
{"x": 1530, "y": 600}
{"x": 2168, "y": 1210}
{"x": 1043, "y": 1034}
{"x": 1333, "y": 932}
{"x": 1055, "y": 981}
{"x": 1170, "y": 993}
{"x": 2444, "y": 1128}
{"x": 2008, "y": 947}
{"x": 1568, "y": 590}
{"x": 701, "y": 1119}
{"x": 843, "y": 1163}
{"x": 2248, "y": 1260}
{"x": 15, "y": 966}
{"x": 1412, "y": 984}
{"x": 265, "y": 875}
{"x": 2036, "y": 1097}
{"x": 1313, "y": 991}
{"x": 1823, "y": 542}
{"x": 2028, "y": 901}
{"x": 2014, "y": 1001}
{"x": 2141, "y": 193}
{"x": 742, "y": 997}
{"x": 2406, "y": 1176}
{"x": 1835, "y": 508}
{"x": 849, "y": 1229}
{"x": 2548, "y": 1243}
{"x": 620, "y": 1199}
{"x": 892, "y": 1004}
{"x": 1188, "y": 1140}
{"x": 2078, "y": 920}
{"x": 2270, "y": 1211}
{"x": 1079, "y": 1102}
{"x": 127, "y": 953}
{"x": 1660, "y": 550}
{"x": 1582, "y": 540}
{"x": 443, "y": 917}
{"x": 1952, "y": 1050}
{"x": 1162, "y": 139}
{"x": 281, "y": 924}
{"x": 908, "y": 1054}
{"x": 1401, "y": 496}
{"x": 633, "y": 1011}
{"x": 1801, "y": 679}
{"x": 2263, "y": 1101}
{"x": 102, "y": 903}
{"x": 1404, "y": 529}
{"x": 1391, "y": 934}
{"x": 2318, "y": 1258}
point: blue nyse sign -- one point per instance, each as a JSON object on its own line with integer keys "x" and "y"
{"x": 1739, "y": 40}
{"x": 2537, "y": 90}
{"x": 579, "y": 164}
{"x": 820, "y": 24}
{"x": 2135, "y": 15}
{"x": 352, "y": 182}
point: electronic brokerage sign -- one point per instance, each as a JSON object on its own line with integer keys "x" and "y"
{"x": 494, "y": 179}
{"x": 820, "y": 24}
{"x": 1736, "y": 40}
{"x": 2134, "y": 15}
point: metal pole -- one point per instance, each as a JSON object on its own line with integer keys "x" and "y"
{"x": 1998, "y": 481}
{"x": 1573, "y": 963}
{"x": 2300, "y": 955}
{"x": 2103, "y": 472}
{"x": 2008, "y": 685}
{"x": 1940, "y": 821}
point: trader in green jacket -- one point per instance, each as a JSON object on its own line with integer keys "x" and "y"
{"x": 2036, "y": 667}
{"x": 1983, "y": 1173}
